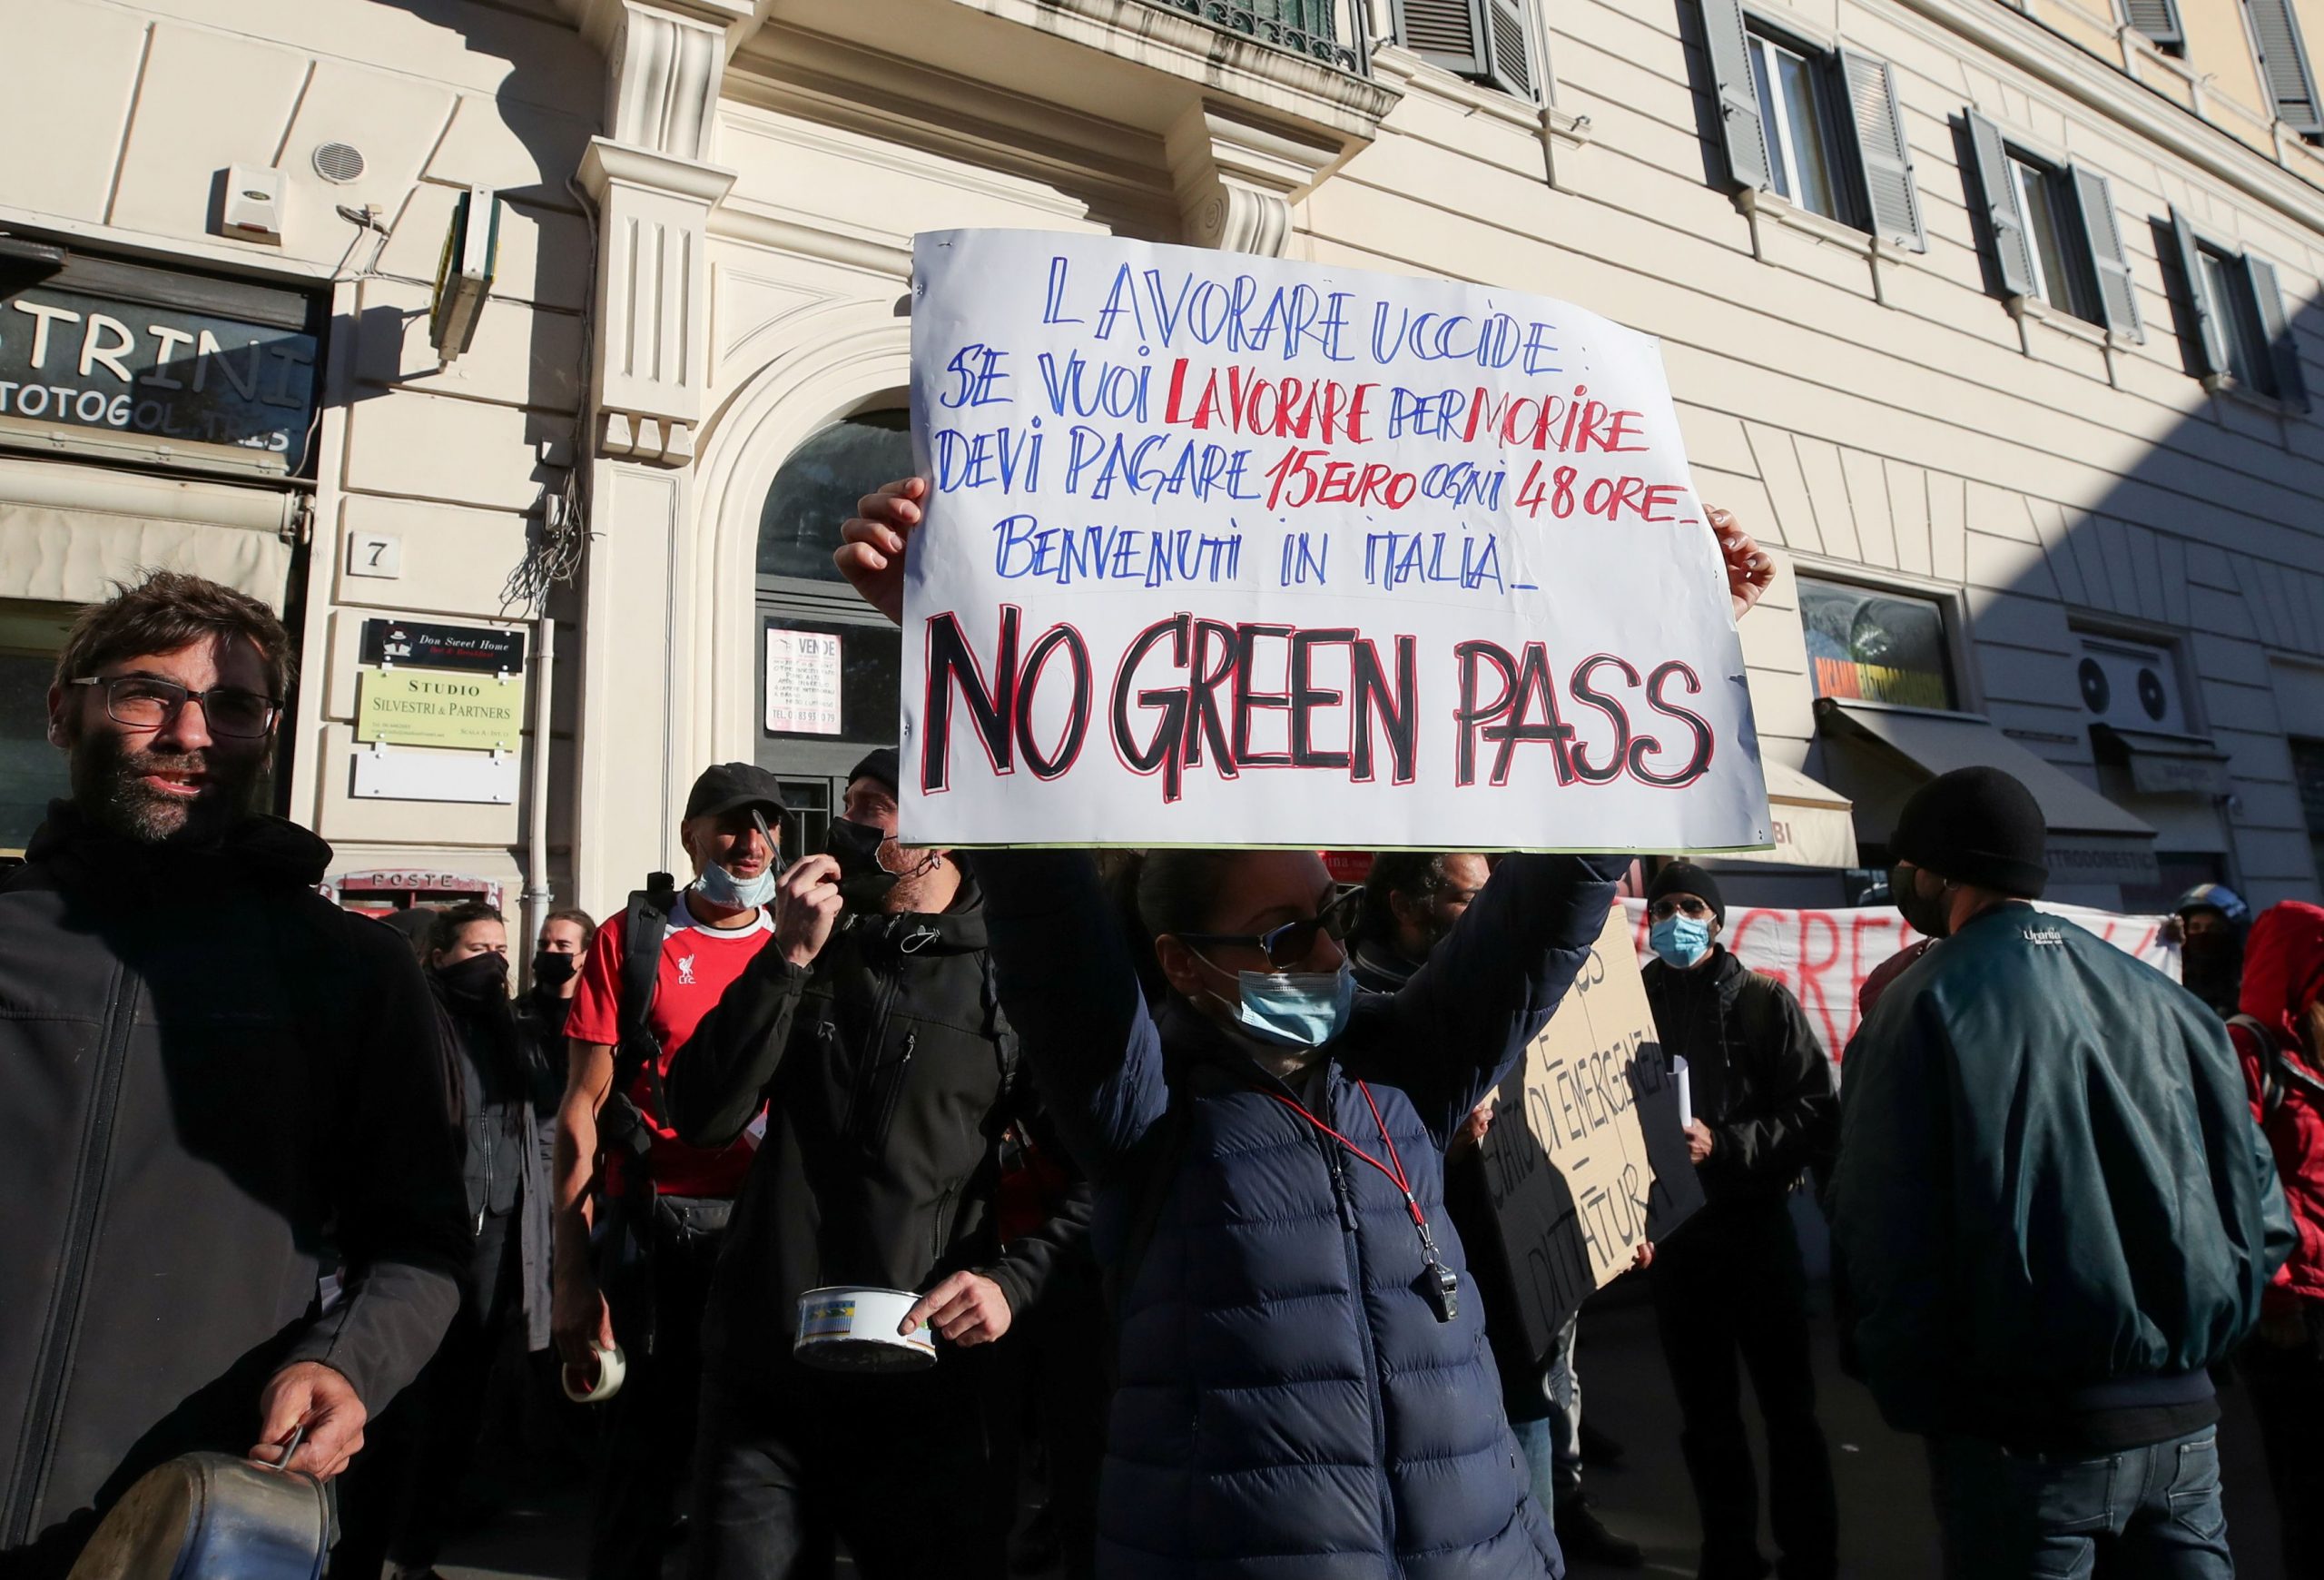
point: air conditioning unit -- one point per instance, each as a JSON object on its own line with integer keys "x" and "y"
{"x": 464, "y": 275}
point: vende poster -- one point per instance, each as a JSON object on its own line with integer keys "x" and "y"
{"x": 1227, "y": 550}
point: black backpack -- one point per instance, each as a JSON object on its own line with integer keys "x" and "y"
{"x": 644, "y": 921}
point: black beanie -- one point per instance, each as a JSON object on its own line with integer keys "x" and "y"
{"x": 1976, "y": 826}
{"x": 1686, "y": 878}
{"x": 881, "y": 765}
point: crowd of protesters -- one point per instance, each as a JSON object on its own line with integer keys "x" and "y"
{"x": 1179, "y": 1153}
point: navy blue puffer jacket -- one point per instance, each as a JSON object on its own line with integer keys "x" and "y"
{"x": 1290, "y": 1407}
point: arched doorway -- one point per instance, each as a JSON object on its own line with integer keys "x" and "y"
{"x": 828, "y": 668}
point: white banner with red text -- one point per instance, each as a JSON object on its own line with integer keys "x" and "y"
{"x": 1825, "y": 956}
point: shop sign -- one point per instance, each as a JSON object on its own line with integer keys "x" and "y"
{"x": 421, "y": 645}
{"x": 79, "y": 360}
{"x": 421, "y": 708}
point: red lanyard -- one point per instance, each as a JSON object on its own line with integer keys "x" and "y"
{"x": 1394, "y": 1168}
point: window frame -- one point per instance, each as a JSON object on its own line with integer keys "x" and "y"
{"x": 2238, "y": 316}
{"x": 1821, "y": 66}
{"x": 2070, "y": 230}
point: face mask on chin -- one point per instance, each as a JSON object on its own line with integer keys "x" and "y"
{"x": 1927, "y": 913}
{"x": 724, "y": 889}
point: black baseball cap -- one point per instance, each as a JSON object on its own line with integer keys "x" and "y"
{"x": 723, "y": 786}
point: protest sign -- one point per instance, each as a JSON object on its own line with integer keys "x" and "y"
{"x": 1587, "y": 1155}
{"x": 1825, "y": 956}
{"x": 1229, "y": 551}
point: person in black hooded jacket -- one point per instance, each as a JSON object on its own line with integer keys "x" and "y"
{"x": 1730, "y": 1280}
{"x": 207, "y": 1068}
{"x": 871, "y": 1034}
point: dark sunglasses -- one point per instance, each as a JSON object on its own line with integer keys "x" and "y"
{"x": 1294, "y": 942}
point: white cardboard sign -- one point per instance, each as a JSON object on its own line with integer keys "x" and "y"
{"x": 1227, "y": 550}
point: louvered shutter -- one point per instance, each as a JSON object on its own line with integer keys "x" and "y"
{"x": 2117, "y": 293}
{"x": 2206, "y": 334}
{"x": 1883, "y": 156}
{"x": 2004, "y": 211}
{"x": 1449, "y": 33}
{"x": 1508, "y": 59}
{"x": 2157, "y": 19}
{"x": 2284, "y": 351}
{"x": 2283, "y": 64}
{"x": 1739, "y": 94}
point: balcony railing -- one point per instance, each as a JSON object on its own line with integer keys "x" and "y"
{"x": 1329, "y": 31}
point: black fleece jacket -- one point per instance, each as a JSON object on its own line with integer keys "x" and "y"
{"x": 205, "y": 1066}
{"x": 888, "y": 1074}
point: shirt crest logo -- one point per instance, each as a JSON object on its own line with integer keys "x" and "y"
{"x": 685, "y": 971}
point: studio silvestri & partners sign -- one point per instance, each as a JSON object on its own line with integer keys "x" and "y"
{"x": 166, "y": 374}
{"x": 414, "y": 707}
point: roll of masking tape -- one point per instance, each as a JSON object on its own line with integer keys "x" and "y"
{"x": 596, "y": 1382}
{"x": 846, "y": 1328}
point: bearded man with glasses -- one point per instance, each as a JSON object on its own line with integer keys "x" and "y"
{"x": 207, "y": 1067}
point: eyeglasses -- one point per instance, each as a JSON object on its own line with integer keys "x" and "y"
{"x": 144, "y": 702}
{"x": 1294, "y": 942}
{"x": 1672, "y": 905}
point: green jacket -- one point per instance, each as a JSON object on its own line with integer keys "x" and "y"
{"x": 2049, "y": 1182}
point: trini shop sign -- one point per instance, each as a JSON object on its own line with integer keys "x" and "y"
{"x": 155, "y": 375}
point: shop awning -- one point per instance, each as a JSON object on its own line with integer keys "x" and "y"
{"x": 2091, "y": 840}
{"x": 2163, "y": 765}
{"x": 1813, "y": 825}
{"x": 67, "y": 532}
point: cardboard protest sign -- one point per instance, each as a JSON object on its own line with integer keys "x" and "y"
{"x": 1587, "y": 1156}
{"x": 1825, "y": 956}
{"x": 1229, "y": 551}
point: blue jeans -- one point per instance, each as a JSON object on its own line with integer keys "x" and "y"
{"x": 1552, "y": 1443}
{"x": 2154, "y": 1512}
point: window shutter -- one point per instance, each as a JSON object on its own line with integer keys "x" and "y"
{"x": 2283, "y": 350}
{"x": 1738, "y": 95}
{"x": 1509, "y": 60}
{"x": 2284, "y": 63}
{"x": 2004, "y": 216}
{"x": 2117, "y": 293}
{"x": 2157, "y": 19}
{"x": 2206, "y": 333}
{"x": 1447, "y": 33}
{"x": 1883, "y": 156}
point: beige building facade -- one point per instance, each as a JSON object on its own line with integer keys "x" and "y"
{"x": 1998, "y": 322}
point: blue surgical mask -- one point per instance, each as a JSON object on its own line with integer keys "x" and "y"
{"x": 721, "y": 888}
{"x": 1296, "y": 1009}
{"x": 1681, "y": 941}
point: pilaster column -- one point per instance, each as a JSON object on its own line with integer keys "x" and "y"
{"x": 649, "y": 366}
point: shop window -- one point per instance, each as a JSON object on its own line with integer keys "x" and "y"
{"x": 818, "y": 486}
{"x": 830, "y": 680}
{"x": 1875, "y": 647}
{"x": 2307, "y": 775}
{"x": 32, "y": 772}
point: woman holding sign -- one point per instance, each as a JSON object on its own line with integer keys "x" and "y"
{"x": 1304, "y": 1387}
